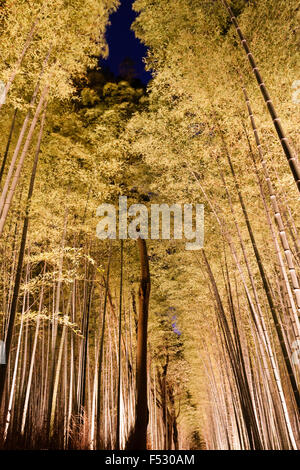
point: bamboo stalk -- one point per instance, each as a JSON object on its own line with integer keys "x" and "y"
{"x": 291, "y": 157}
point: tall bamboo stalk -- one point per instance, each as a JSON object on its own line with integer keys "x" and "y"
{"x": 291, "y": 157}
{"x": 277, "y": 215}
{"x": 8, "y": 144}
{"x": 10, "y": 328}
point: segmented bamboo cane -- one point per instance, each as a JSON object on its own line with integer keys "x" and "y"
{"x": 260, "y": 323}
{"x": 291, "y": 157}
{"x": 277, "y": 215}
{"x": 21, "y": 57}
{"x": 21, "y": 161}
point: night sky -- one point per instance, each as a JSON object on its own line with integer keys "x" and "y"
{"x": 123, "y": 43}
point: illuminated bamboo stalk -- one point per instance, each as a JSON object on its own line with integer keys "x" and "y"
{"x": 239, "y": 374}
{"x": 72, "y": 359}
{"x": 278, "y": 217}
{"x": 55, "y": 313}
{"x": 21, "y": 57}
{"x": 8, "y": 144}
{"x": 291, "y": 157}
{"x": 259, "y": 321}
{"x": 13, "y": 311}
{"x": 56, "y": 382}
{"x": 16, "y": 176}
{"x": 277, "y": 248}
{"x": 268, "y": 292}
{"x": 101, "y": 349}
{"x": 32, "y": 361}
{"x": 14, "y": 378}
{"x": 22, "y": 134}
{"x": 65, "y": 394}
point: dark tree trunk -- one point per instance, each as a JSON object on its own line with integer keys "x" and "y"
{"x": 138, "y": 438}
{"x": 118, "y": 436}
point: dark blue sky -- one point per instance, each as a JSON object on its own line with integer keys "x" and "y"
{"x": 123, "y": 43}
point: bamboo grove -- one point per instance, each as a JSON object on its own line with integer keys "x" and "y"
{"x": 133, "y": 344}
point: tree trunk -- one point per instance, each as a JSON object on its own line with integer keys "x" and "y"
{"x": 138, "y": 438}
